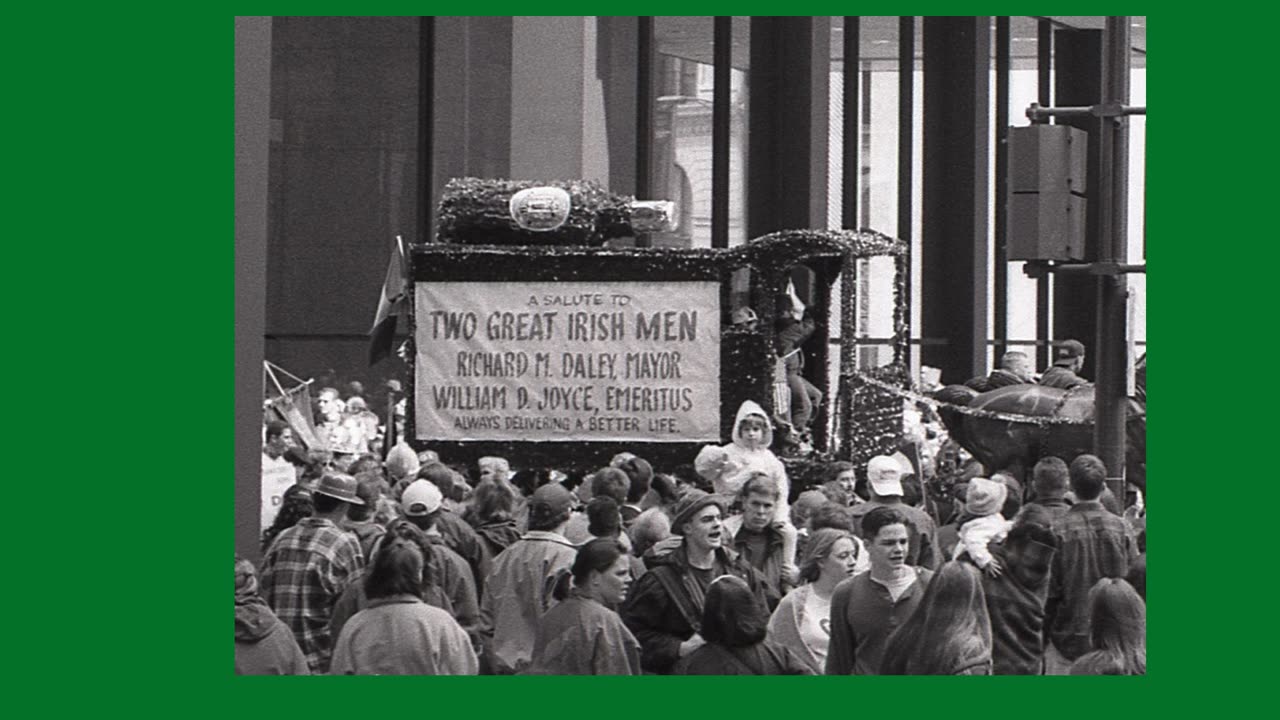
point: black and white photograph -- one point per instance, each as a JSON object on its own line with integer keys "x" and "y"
{"x": 690, "y": 345}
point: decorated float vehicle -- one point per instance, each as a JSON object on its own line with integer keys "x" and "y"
{"x": 536, "y": 338}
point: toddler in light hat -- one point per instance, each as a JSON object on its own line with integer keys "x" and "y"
{"x": 983, "y": 502}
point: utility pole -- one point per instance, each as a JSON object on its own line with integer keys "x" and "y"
{"x": 1110, "y": 266}
{"x": 1110, "y": 400}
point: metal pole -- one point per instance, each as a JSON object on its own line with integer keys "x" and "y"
{"x": 1110, "y": 402}
{"x": 644, "y": 116}
{"x": 426, "y": 121}
{"x": 1043, "y": 355}
{"x": 722, "y": 50}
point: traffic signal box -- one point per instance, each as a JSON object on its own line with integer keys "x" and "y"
{"x": 1047, "y": 203}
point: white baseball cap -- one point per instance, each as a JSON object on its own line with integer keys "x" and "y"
{"x": 422, "y": 497}
{"x": 882, "y": 481}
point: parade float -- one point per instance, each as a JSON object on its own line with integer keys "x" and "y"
{"x": 537, "y": 337}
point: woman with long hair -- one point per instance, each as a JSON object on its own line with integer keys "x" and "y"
{"x": 802, "y": 621}
{"x": 295, "y": 505}
{"x": 582, "y": 634}
{"x": 949, "y": 633}
{"x": 1117, "y": 631}
{"x": 734, "y": 626}
{"x": 398, "y": 633}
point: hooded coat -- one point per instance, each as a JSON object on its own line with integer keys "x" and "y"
{"x": 264, "y": 644}
{"x": 498, "y": 535}
{"x": 517, "y": 593}
{"x": 729, "y": 466}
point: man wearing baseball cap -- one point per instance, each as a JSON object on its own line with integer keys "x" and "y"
{"x": 884, "y": 485}
{"x": 457, "y": 532}
{"x": 517, "y": 591}
{"x": 422, "y": 504}
{"x": 1068, "y": 358}
{"x": 308, "y": 566}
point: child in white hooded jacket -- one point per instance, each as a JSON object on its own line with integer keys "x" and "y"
{"x": 727, "y": 467}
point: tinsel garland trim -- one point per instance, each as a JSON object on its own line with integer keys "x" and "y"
{"x": 868, "y": 422}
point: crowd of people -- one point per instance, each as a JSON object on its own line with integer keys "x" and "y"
{"x": 407, "y": 565}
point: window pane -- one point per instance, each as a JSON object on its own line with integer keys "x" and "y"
{"x": 1024, "y": 89}
{"x": 739, "y": 126}
{"x": 684, "y": 84}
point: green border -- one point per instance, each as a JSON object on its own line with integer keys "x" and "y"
{"x": 137, "y": 201}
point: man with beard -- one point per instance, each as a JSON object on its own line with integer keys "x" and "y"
{"x": 867, "y": 608}
{"x": 664, "y": 609}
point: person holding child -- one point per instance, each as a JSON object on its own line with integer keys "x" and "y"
{"x": 983, "y": 502}
{"x": 728, "y": 467}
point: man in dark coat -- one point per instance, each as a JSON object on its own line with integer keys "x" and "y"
{"x": 1016, "y": 599}
{"x": 664, "y": 608}
{"x": 1015, "y": 369}
{"x": 1068, "y": 358}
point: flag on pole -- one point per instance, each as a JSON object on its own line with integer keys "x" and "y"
{"x": 291, "y": 406}
{"x": 395, "y": 293}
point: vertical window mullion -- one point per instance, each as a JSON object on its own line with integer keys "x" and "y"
{"x": 644, "y": 115}
{"x": 1000, "y": 295}
{"x": 721, "y": 97}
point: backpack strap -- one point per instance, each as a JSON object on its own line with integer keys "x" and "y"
{"x": 679, "y": 596}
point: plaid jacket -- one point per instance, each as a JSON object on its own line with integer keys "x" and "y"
{"x": 304, "y": 572}
{"x": 1095, "y": 544}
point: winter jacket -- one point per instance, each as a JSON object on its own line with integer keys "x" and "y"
{"x": 770, "y": 565}
{"x": 401, "y": 635}
{"x": 368, "y": 533}
{"x": 498, "y": 535}
{"x": 791, "y": 334}
{"x": 264, "y": 645}
{"x": 579, "y": 636}
{"x": 1061, "y": 377}
{"x": 661, "y": 620}
{"x": 1017, "y": 620}
{"x": 517, "y": 593}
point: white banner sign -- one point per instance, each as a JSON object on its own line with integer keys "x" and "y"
{"x": 568, "y": 361}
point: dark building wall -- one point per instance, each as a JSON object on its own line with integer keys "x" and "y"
{"x": 343, "y": 163}
{"x": 253, "y": 90}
